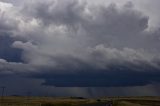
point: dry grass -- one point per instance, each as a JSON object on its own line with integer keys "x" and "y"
{"x": 124, "y": 103}
{"x": 50, "y": 101}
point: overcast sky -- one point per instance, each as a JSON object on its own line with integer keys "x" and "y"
{"x": 80, "y": 48}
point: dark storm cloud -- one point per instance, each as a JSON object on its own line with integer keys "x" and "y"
{"x": 7, "y": 52}
{"x": 110, "y": 79}
{"x": 77, "y": 73}
{"x": 70, "y": 43}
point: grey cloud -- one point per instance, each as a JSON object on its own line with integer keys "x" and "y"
{"x": 108, "y": 25}
{"x": 113, "y": 21}
{"x": 69, "y": 43}
{"x": 11, "y": 68}
{"x": 95, "y": 21}
{"x": 7, "y": 25}
{"x": 58, "y": 12}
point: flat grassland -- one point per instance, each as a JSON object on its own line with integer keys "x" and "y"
{"x": 78, "y": 101}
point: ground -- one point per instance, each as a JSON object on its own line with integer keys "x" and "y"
{"x": 79, "y": 101}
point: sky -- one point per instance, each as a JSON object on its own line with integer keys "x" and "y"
{"x": 83, "y": 48}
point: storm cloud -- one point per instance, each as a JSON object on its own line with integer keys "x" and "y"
{"x": 69, "y": 43}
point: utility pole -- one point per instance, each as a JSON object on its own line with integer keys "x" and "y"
{"x": 2, "y": 96}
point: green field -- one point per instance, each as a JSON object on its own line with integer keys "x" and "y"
{"x": 75, "y": 101}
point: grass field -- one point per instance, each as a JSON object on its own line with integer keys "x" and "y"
{"x": 72, "y": 101}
